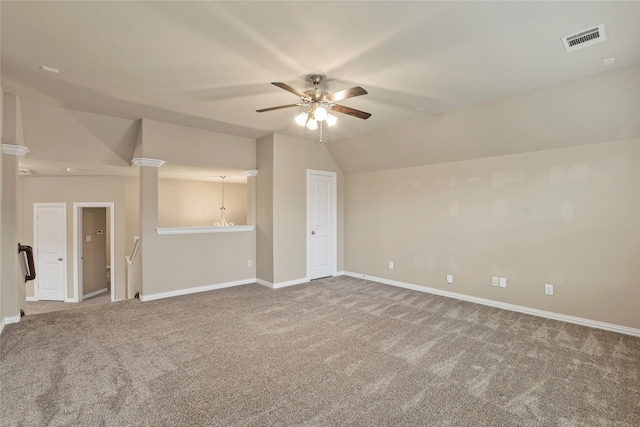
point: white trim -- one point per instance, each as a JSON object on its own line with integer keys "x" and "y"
{"x": 93, "y": 294}
{"x": 333, "y": 219}
{"x": 10, "y": 319}
{"x": 141, "y": 161}
{"x": 250, "y": 173}
{"x": 162, "y": 295}
{"x": 281, "y": 284}
{"x": 65, "y": 280}
{"x": 7, "y": 320}
{"x": 264, "y": 283}
{"x": 16, "y": 150}
{"x": 134, "y": 251}
{"x": 31, "y": 299}
{"x": 505, "y": 306}
{"x": 204, "y": 230}
{"x": 77, "y": 235}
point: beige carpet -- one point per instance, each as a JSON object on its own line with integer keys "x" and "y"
{"x": 338, "y": 351}
{"x": 37, "y": 307}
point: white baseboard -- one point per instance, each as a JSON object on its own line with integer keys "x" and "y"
{"x": 281, "y": 284}
{"x": 93, "y": 294}
{"x": 162, "y": 295}
{"x": 32, "y": 299}
{"x": 264, "y": 283}
{"x": 7, "y": 320}
{"x": 71, "y": 300}
{"x": 505, "y": 306}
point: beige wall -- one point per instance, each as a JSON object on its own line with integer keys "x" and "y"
{"x": 132, "y": 208}
{"x": 1, "y": 195}
{"x": 80, "y": 189}
{"x": 12, "y": 282}
{"x": 180, "y": 144}
{"x": 94, "y": 249}
{"x": 183, "y": 203}
{"x": 282, "y": 193}
{"x": 567, "y": 217}
{"x": 171, "y": 264}
{"x": 174, "y": 263}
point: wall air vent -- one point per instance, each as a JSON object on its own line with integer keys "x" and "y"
{"x": 24, "y": 171}
{"x": 584, "y": 38}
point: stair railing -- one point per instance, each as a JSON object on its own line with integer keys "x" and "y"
{"x": 31, "y": 273}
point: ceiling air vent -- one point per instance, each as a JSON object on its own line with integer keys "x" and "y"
{"x": 584, "y": 38}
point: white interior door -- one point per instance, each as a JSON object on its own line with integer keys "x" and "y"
{"x": 50, "y": 234}
{"x": 321, "y": 224}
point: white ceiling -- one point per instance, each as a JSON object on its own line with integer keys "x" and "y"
{"x": 210, "y": 64}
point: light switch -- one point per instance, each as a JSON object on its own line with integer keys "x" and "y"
{"x": 503, "y": 282}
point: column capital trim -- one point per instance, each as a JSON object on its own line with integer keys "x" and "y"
{"x": 16, "y": 150}
{"x": 141, "y": 161}
{"x": 249, "y": 173}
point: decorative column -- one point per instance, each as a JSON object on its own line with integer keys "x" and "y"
{"x": 12, "y": 288}
{"x": 148, "y": 213}
{"x": 251, "y": 195}
{"x": 252, "y": 203}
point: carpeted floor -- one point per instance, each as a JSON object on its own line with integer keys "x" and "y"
{"x": 38, "y": 307}
{"x": 338, "y": 351}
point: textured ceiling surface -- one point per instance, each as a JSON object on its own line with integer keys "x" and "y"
{"x": 210, "y": 64}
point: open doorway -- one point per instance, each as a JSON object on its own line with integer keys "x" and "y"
{"x": 96, "y": 266}
{"x": 93, "y": 250}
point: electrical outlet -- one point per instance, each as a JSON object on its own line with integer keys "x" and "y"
{"x": 503, "y": 282}
{"x": 390, "y": 265}
{"x": 495, "y": 281}
{"x": 249, "y": 263}
{"x": 548, "y": 289}
{"x": 450, "y": 279}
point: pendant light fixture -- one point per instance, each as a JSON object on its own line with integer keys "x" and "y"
{"x": 223, "y": 221}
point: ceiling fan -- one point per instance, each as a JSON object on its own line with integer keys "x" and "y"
{"x": 320, "y": 102}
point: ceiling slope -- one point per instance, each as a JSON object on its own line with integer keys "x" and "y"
{"x": 599, "y": 108}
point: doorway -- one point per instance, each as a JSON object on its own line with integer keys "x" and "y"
{"x": 321, "y": 224}
{"x": 94, "y": 250}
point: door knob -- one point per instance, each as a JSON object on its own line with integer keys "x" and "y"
{"x": 313, "y": 232}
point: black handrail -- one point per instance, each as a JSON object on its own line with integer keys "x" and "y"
{"x": 31, "y": 266}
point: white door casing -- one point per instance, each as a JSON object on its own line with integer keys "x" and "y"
{"x": 50, "y": 241}
{"x": 321, "y": 224}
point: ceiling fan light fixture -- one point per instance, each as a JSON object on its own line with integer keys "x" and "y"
{"x": 301, "y": 119}
{"x": 320, "y": 113}
{"x": 312, "y": 124}
{"x": 318, "y": 102}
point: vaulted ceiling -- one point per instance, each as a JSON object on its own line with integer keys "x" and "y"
{"x": 210, "y": 64}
